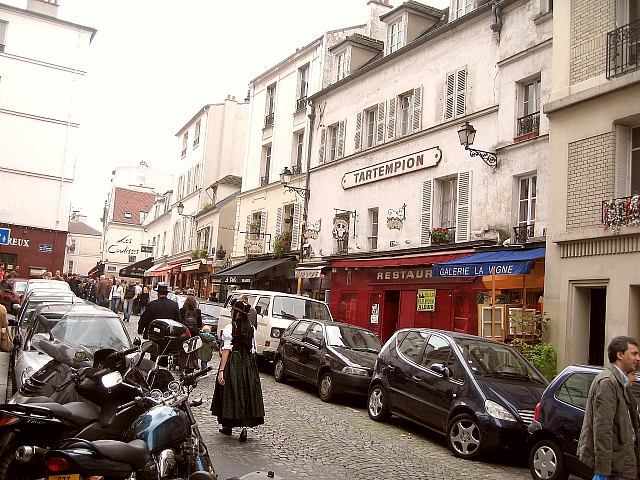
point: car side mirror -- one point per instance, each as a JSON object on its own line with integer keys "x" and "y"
{"x": 258, "y": 309}
{"x": 441, "y": 369}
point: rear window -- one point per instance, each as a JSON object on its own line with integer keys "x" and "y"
{"x": 293, "y": 308}
{"x": 575, "y": 389}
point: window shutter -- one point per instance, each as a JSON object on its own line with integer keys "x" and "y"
{"x": 358, "y": 135}
{"x": 340, "y": 139}
{"x": 295, "y": 228}
{"x": 248, "y": 226}
{"x": 449, "y": 94}
{"x": 380, "y": 132}
{"x": 279, "y": 221}
{"x": 263, "y": 223}
{"x": 464, "y": 206}
{"x": 323, "y": 140}
{"x": 461, "y": 93}
{"x": 623, "y": 142}
{"x": 391, "y": 125}
{"x": 425, "y": 217}
{"x": 417, "y": 109}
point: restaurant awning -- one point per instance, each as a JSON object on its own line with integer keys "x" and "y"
{"x": 137, "y": 269}
{"x": 244, "y": 272}
{"x": 503, "y": 262}
{"x": 158, "y": 270}
{"x": 194, "y": 266}
{"x": 97, "y": 270}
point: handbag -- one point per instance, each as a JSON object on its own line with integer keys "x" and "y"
{"x": 6, "y": 342}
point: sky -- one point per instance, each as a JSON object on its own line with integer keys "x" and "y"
{"x": 154, "y": 64}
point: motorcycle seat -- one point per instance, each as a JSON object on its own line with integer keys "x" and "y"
{"x": 38, "y": 399}
{"x": 135, "y": 453}
{"x": 80, "y": 413}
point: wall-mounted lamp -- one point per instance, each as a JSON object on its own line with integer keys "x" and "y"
{"x": 467, "y": 135}
{"x": 285, "y": 178}
{"x": 181, "y": 209}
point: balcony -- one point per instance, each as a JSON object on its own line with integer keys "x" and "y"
{"x": 301, "y": 104}
{"x": 442, "y": 235}
{"x": 522, "y": 233}
{"x": 528, "y": 127}
{"x": 622, "y": 49}
{"x": 619, "y": 212}
{"x": 264, "y": 181}
{"x": 268, "y": 121}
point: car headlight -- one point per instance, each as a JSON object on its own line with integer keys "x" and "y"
{"x": 498, "y": 411}
{"x": 276, "y": 332}
{"x": 355, "y": 371}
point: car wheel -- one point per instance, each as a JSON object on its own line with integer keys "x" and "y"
{"x": 325, "y": 387}
{"x": 279, "y": 373}
{"x": 546, "y": 461}
{"x": 463, "y": 436}
{"x": 377, "y": 405}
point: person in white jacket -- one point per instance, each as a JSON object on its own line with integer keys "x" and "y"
{"x": 116, "y": 296}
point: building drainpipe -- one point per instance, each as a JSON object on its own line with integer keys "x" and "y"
{"x": 305, "y": 210}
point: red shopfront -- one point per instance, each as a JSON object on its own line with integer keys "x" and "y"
{"x": 382, "y": 294}
{"x": 33, "y": 250}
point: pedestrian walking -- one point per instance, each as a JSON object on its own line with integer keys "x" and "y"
{"x": 209, "y": 344}
{"x": 609, "y": 436}
{"x": 237, "y": 397}
{"x": 114, "y": 295}
{"x": 136, "y": 299}
{"x": 191, "y": 315}
{"x": 213, "y": 297}
{"x": 129, "y": 296}
{"x": 162, "y": 307}
{"x": 144, "y": 299}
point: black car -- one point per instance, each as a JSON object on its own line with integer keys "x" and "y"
{"x": 556, "y": 426}
{"x": 480, "y": 393}
{"x": 337, "y": 357}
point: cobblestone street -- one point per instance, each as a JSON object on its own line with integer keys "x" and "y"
{"x": 305, "y": 438}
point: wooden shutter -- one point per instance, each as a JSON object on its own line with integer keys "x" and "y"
{"x": 425, "y": 217}
{"x": 323, "y": 140}
{"x": 263, "y": 223}
{"x": 391, "y": 124}
{"x": 417, "y": 109}
{"x": 449, "y": 96}
{"x": 358, "y": 135}
{"x": 295, "y": 228}
{"x": 279, "y": 221}
{"x": 341, "y": 126}
{"x": 461, "y": 92}
{"x": 623, "y": 142}
{"x": 380, "y": 133}
{"x": 463, "y": 208}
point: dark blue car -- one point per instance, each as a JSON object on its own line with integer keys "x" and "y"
{"x": 557, "y": 422}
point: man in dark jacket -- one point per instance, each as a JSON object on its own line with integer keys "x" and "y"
{"x": 160, "y": 308}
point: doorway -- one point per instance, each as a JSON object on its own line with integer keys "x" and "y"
{"x": 586, "y": 332}
{"x": 390, "y": 314}
{"x": 597, "y": 318}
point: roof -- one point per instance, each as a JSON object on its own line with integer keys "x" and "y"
{"x": 416, "y": 7}
{"x": 81, "y": 228}
{"x": 363, "y": 40}
{"x": 131, "y": 201}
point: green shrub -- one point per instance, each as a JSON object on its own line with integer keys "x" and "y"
{"x": 543, "y": 356}
{"x": 198, "y": 253}
{"x": 282, "y": 243}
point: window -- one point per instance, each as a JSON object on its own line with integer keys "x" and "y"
{"x": 405, "y": 102}
{"x": 266, "y": 165}
{"x": 635, "y": 161}
{"x": 73, "y": 248}
{"x": 299, "y": 151}
{"x": 3, "y": 33}
{"x": 196, "y": 177}
{"x": 303, "y": 76}
{"x": 342, "y": 66}
{"x": 314, "y": 336}
{"x": 333, "y": 142}
{"x": 448, "y": 190}
{"x": 132, "y": 258}
{"x": 180, "y": 184}
{"x": 373, "y": 220}
{"x": 185, "y": 142}
{"x": 71, "y": 267}
{"x": 531, "y": 103}
{"x": 371, "y": 117}
{"x": 396, "y": 36}
{"x": 455, "y": 95}
{"x": 575, "y": 389}
{"x": 143, "y": 215}
{"x": 203, "y": 238}
{"x": 164, "y": 241}
{"x": 411, "y": 346}
{"x": 463, "y": 6}
{"x": 439, "y": 351}
{"x": 263, "y": 303}
{"x": 299, "y": 330}
{"x": 270, "y": 105}
{"x": 527, "y": 201}
{"x": 196, "y": 140}
{"x": 127, "y": 215}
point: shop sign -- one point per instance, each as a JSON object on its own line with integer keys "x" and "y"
{"x": 5, "y": 235}
{"x": 146, "y": 248}
{"x": 123, "y": 246}
{"x": 402, "y": 274}
{"x": 392, "y": 168}
{"x": 46, "y": 248}
{"x": 375, "y": 312}
{"x": 307, "y": 273}
{"x": 340, "y": 228}
{"x": 426, "y": 300}
{"x": 254, "y": 245}
{"x": 232, "y": 279}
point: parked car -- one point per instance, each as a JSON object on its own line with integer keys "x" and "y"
{"x": 90, "y": 326}
{"x": 38, "y": 299}
{"x": 556, "y": 426}
{"x": 276, "y": 311}
{"x": 44, "y": 284}
{"x": 479, "y": 393}
{"x": 11, "y": 290}
{"x": 336, "y": 357}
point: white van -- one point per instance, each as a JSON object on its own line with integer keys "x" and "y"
{"x": 276, "y": 311}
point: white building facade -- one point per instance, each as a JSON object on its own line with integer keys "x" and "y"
{"x": 84, "y": 247}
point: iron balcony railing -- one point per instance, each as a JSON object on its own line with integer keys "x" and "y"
{"x": 622, "y": 49}
{"x": 522, "y": 233}
{"x": 264, "y": 180}
{"x": 529, "y": 123}
{"x": 301, "y": 104}
{"x": 268, "y": 120}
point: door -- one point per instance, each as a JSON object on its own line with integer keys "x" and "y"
{"x": 292, "y": 348}
{"x": 311, "y": 352}
{"x": 596, "y": 325}
{"x": 391, "y": 309}
{"x": 401, "y": 369}
{"x": 348, "y": 303}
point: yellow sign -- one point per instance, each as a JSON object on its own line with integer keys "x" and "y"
{"x": 426, "y": 300}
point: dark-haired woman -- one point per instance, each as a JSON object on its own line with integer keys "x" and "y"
{"x": 237, "y": 398}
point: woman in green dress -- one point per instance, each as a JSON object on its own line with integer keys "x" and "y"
{"x": 237, "y": 398}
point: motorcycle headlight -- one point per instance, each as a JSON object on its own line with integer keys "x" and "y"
{"x": 355, "y": 371}
{"x": 498, "y": 411}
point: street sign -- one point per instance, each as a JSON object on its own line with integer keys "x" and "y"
{"x": 5, "y": 235}
{"x": 46, "y": 248}
{"x": 146, "y": 248}
{"x": 426, "y": 300}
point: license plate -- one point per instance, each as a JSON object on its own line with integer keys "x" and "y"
{"x": 68, "y": 476}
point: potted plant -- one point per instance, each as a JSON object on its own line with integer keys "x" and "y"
{"x": 254, "y": 227}
{"x": 282, "y": 243}
{"x": 206, "y": 207}
{"x": 198, "y": 253}
{"x": 440, "y": 235}
{"x": 220, "y": 253}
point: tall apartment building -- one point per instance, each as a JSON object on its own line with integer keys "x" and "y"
{"x": 592, "y": 286}
{"x": 43, "y": 64}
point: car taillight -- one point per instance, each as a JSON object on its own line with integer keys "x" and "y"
{"x": 57, "y": 464}
{"x": 536, "y": 413}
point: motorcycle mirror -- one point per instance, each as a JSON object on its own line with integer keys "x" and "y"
{"x": 111, "y": 379}
{"x": 174, "y": 386}
{"x": 193, "y": 344}
{"x": 137, "y": 342}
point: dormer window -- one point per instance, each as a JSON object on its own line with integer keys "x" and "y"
{"x": 396, "y": 35}
{"x": 127, "y": 214}
{"x": 343, "y": 65}
{"x": 463, "y": 7}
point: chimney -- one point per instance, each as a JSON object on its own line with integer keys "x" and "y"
{"x": 46, "y": 7}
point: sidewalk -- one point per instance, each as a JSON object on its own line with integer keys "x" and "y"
{"x": 4, "y": 376}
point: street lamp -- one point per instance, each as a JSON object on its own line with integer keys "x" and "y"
{"x": 467, "y": 135}
{"x": 181, "y": 209}
{"x": 285, "y": 178}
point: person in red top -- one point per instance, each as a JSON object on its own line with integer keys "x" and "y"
{"x": 1, "y": 272}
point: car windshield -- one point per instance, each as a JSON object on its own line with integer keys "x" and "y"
{"x": 293, "y": 308}
{"x": 210, "y": 310}
{"x": 488, "y": 359}
{"x": 33, "y": 305}
{"x": 352, "y": 338}
{"x": 91, "y": 331}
